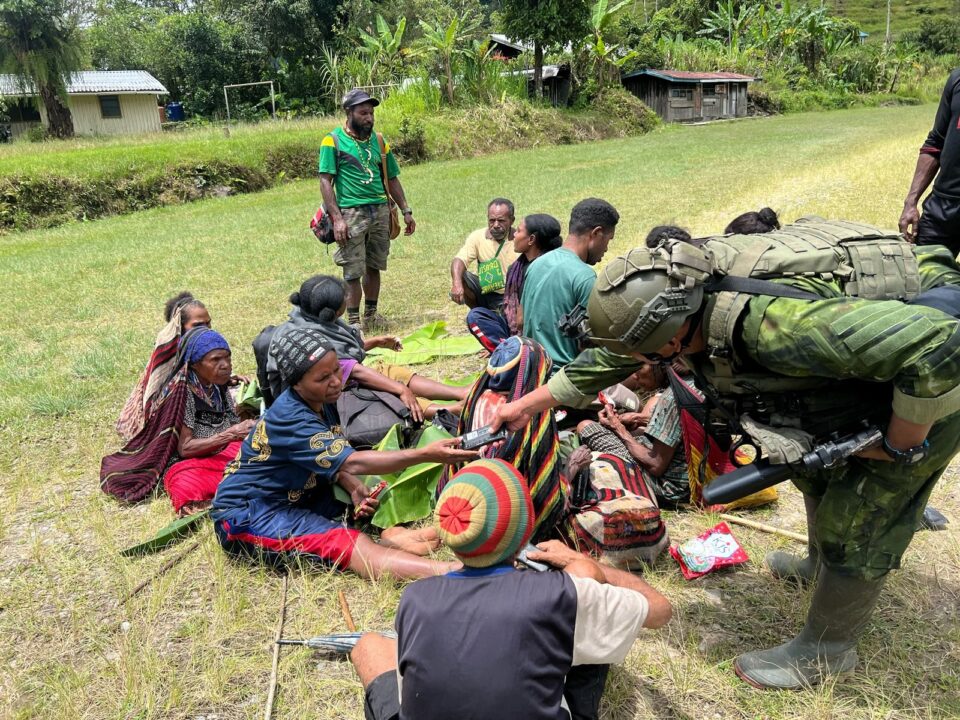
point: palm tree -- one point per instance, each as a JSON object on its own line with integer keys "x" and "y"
{"x": 39, "y": 43}
{"x": 448, "y": 44}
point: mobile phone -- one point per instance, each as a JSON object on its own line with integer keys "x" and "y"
{"x": 480, "y": 437}
{"x": 532, "y": 564}
{"x": 378, "y": 490}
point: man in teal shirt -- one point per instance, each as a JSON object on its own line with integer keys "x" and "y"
{"x": 558, "y": 281}
{"x": 354, "y": 194}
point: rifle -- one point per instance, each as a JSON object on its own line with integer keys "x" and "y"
{"x": 335, "y": 643}
{"x": 762, "y": 474}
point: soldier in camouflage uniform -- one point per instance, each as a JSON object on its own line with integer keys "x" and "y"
{"x": 797, "y": 368}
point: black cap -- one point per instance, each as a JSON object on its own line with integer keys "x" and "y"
{"x": 358, "y": 97}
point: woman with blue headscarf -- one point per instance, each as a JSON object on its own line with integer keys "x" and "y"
{"x": 191, "y": 435}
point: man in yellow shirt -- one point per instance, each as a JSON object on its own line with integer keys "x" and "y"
{"x": 492, "y": 249}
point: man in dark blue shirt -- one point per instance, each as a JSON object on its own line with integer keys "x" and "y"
{"x": 940, "y": 159}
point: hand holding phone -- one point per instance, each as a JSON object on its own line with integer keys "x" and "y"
{"x": 482, "y": 436}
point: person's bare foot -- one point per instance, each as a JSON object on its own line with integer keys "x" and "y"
{"x": 418, "y": 541}
{"x": 193, "y": 508}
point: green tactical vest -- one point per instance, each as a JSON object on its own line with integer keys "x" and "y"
{"x": 827, "y": 257}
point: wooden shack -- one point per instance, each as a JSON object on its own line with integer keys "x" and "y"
{"x": 683, "y": 96}
{"x": 101, "y": 102}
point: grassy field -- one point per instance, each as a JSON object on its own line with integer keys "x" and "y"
{"x": 83, "y": 304}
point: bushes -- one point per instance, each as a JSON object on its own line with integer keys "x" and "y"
{"x": 627, "y": 111}
{"x": 49, "y": 200}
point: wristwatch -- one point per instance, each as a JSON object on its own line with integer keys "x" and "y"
{"x": 407, "y": 211}
{"x": 908, "y": 456}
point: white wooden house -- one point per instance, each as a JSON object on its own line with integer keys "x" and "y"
{"x": 102, "y": 102}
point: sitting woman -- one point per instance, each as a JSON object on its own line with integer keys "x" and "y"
{"x": 651, "y": 439}
{"x": 277, "y": 498}
{"x": 182, "y": 313}
{"x": 192, "y": 433}
{"x": 536, "y": 235}
{"x": 519, "y": 366}
{"x": 320, "y": 304}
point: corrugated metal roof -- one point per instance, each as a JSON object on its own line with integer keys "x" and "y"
{"x": 688, "y": 76}
{"x": 93, "y": 82}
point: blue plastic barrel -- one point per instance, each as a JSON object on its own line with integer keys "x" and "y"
{"x": 175, "y": 112}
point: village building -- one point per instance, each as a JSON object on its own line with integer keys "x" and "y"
{"x": 683, "y": 96}
{"x": 114, "y": 102}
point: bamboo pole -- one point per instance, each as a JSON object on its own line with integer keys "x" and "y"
{"x": 763, "y": 527}
{"x": 272, "y": 692}
{"x": 347, "y": 617}
{"x": 163, "y": 568}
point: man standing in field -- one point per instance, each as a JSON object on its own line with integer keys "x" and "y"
{"x": 940, "y": 159}
{"x": 354, "y": 191}
{"x": 491, "y": 248}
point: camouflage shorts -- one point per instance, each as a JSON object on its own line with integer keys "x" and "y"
{"x": 869, "y": 510}
{"x": 369, "y": 243}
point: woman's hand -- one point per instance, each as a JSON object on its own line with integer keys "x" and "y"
{"x": 555, "y": 553}
{"x": 241, "y": 429}
{"x": 388, "y": 342}
{"x": 237, "y": 380}
{"x": 634, "y": 420}
{"x": 448, "y": 452}
{"x": 610, "y": 420}
{"x": 364, "y": 506}
{"x": 410, "y": 400}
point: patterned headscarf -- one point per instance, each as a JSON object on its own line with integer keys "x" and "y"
{"x": 200, "y": 341}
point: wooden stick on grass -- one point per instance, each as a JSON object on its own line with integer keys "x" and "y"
{"x": 763, "y": 527}
{"x": 347, "y": 617}
{"x": 272, "y": 693}
{"x": 163, "y": 568}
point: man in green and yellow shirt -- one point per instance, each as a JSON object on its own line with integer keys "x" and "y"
{"x": 355, "y": 195}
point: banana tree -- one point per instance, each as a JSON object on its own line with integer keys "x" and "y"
{"x": 448, "y": 45}
{"x": 383, "y": 49}
{"x": 607, "y": 58}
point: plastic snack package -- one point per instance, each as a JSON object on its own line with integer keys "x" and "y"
{"x": 715, "y": 548}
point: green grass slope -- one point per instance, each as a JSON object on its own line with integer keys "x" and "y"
{"x": 905, "y": 15}
{"x": 82, "y": 303}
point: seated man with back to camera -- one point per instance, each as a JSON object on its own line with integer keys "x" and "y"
{"x": 519, "y": 644}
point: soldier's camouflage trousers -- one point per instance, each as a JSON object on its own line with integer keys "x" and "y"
{"x": 869, "y": 510}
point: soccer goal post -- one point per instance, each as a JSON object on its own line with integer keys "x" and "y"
{"x": 273, "y": 102}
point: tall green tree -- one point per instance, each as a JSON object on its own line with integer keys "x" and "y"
{"x": 547, "y": 24}
{"x": 39, "y": 42}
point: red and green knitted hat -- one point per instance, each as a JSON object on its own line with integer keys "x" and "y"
{"x": 485, "y": 514}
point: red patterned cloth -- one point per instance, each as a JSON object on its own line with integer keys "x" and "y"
{"x": 196, "y": 479}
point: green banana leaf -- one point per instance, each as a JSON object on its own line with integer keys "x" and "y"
{"x": 411, "y": 491}
{"x": 179, "y": 528}
{"x": 429, "y": 342}
{"x": 250, "y": 397}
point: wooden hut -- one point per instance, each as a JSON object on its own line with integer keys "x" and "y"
{"x": 101, "y": 102}
{"x": 683, "y": 96}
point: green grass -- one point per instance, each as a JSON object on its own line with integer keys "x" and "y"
{"x": 82, "y": 304}
{"x": 905, "y": 15}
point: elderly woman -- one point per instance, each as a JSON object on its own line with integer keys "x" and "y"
{"x": 182, "y": 312}
{"x": 537, "y": 234}
{"x": 191, "y": 434}
{"x": 277, "y": 499}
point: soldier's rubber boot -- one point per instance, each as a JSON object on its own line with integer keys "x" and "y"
{"x": 827, "y": 645}
{"x": 802, "y": 570}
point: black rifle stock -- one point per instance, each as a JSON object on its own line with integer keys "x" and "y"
{"x": 762, "y": 474}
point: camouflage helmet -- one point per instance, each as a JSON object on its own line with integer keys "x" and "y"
{"x": 641, "y": 299}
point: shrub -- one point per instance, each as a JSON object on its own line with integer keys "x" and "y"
{"x": 626, "y": 109}
{"x": 292, "y": 160}
{"x": 410, "y": 143}
{"x": 38, "y": 133}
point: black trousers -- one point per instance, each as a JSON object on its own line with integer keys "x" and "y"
{"x": 940, "y": 223}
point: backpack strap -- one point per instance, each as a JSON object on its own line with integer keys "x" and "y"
{"x": 755, "y": 286}
{"x": 383, "y": 169}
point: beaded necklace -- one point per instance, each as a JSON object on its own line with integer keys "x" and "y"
{"x": 363, "y": 147}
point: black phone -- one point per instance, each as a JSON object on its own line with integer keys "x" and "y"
{"x": 480, "y": 437}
